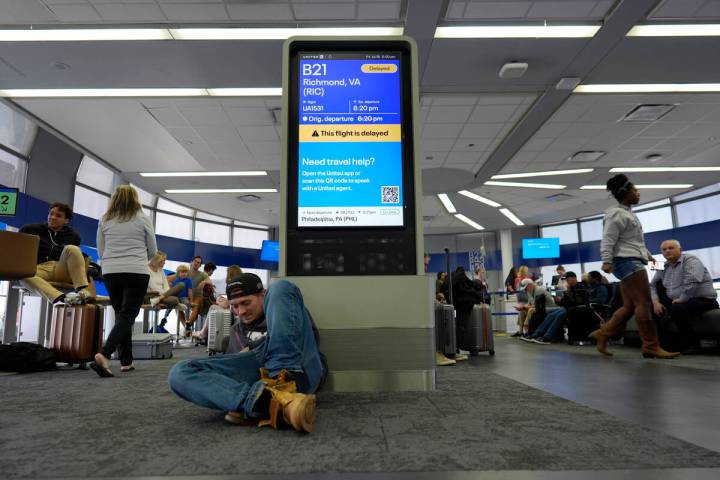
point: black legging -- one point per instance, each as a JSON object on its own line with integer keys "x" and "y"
{"x": 127, "y": 291}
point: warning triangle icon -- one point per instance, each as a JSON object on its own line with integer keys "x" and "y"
{"x": 315, "y": 134}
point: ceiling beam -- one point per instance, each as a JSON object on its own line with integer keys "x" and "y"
{"x": 623, "y": 17}
{"x": 420, "y": 21}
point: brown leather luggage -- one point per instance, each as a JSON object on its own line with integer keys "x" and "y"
{"x": 76, "y": 332}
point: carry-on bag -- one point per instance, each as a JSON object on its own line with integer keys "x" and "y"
{"x": 76, "y": 332}
{"x": 445, "y": 341}
{"x": 475, "y": 333}
{"x": 219, "y": 323}
{"x": 581, "y": 323}
{"x": 152, "y": 346}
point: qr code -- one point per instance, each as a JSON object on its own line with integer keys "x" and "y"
{"x": 390, "y": 194}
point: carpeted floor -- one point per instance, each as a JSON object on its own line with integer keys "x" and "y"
{"x": 71, "y": 423}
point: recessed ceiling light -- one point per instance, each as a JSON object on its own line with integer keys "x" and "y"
{"x": 445, "y": 200}
{"x": 677, "y": 30}
{"x": 139, "y": 92}
{"x": 465, "y": 219}
{"x": 83, "y": 34}
{"x": 480, "y": 199}
{"x": 648, "y": 88}
{"x": 542, "y": 174}
{"x": 223, "y": 190}
{"x": 641, "y": 187}
{"x": 247, "y": 173}
{"x": 665, "y": 169}
{"x": 518, "y": 31}
{"x": 585, "y": 156}
{"x": 526, "y": 185}
{"x": 512, "y": 217}
{"x": 278, "y": 33}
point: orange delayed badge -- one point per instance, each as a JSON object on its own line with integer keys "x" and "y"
{"x": 379, "y": 68}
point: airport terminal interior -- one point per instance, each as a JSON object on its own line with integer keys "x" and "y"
{"x": 363, "y": 149}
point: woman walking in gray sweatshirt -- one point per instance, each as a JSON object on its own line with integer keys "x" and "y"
{"x": 623, "y": 253}
{"x": 125, "y": 242}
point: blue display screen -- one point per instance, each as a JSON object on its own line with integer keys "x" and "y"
{"x": 540, "y": 248}
{"x": 349, "y": 140}
{"x": 270, "y": 251}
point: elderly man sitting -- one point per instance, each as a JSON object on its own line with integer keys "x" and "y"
{"x": 682, "y": 291}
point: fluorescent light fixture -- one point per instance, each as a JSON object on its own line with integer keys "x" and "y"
{"x": 223, "y": 190}
{"x": 665, "y": 169}
{"x": 678, "y": 30}
{"x": 248, "y": 173}
{"x": 641, "y": 187}
{"x": 478, "y": 198}
{"x": 103, "y": 92}
{"x": 84, "y": 34}
{"x": 278, "y": 33}
{"x": 513, "y": 218}
{"x": 447, "y": 203}
{"x": 648, "y": 88}
{"x": 518, "y": 31}
{"x": 465, "y": 219}
{"x": 140, "y": 92}
{"x": 245, "y": 92}
{"x": 549, "y": 186}
{"x": 542, "y": 174}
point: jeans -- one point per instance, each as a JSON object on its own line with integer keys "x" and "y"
{"x": 127, "y": 291}
{"x": 623, "y": 267}
{"x": 232, "y": 382}
{"x": 552, "y": 327}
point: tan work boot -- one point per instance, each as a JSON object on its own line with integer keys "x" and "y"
{"x": 650, "y": 346}
{"x": 295, "y": 409}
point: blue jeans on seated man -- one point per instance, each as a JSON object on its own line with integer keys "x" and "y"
{"x": 552, "y": 327}
{"x": 232, "y": 382}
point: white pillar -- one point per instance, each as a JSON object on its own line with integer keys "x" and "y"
{"x": 506, "y": 252}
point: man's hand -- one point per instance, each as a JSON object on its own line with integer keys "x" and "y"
{"x": 677, "y": 300}
{"x": 658, "y": 307}
{"x": 607, "y": 267}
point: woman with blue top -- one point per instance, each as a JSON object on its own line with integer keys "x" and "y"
{"x": 125, "y": 242}
{"x": 624, "y": 254}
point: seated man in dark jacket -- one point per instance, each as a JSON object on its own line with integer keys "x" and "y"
{"x": 263, "y": 381}
{"x": 59, "y": 258}
{"x": 551, "y": 330}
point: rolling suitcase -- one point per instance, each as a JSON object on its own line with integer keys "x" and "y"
{"x": 152, "y": 346}
{"x": 445, "y": 329}
{"x": 76, "y": 332}
{"x": 219, "y": 323}
{"x": 475, "y": 333}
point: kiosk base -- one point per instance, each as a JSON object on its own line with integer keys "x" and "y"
{"x": 377, "y": 332}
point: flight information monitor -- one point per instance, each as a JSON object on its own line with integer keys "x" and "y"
{"x": 349, "y": 140}
{"x": 350, "y": 167}
{"x": 540, "y": 248}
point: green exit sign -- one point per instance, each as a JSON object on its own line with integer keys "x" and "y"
{"x": 8, "y": 201}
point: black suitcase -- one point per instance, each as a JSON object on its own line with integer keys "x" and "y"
{"x": 475, "y": 332}
{"x": 581, "y": 323}
{"x": 445, "y": 341}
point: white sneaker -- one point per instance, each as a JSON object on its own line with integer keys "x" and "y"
{"x": 73, "y": 298}
{"x": 154, "y": 301}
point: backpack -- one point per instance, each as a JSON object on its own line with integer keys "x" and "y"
{"x": 24, "y": 357}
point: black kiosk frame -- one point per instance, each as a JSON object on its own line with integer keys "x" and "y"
{"x": 351, "y": 250}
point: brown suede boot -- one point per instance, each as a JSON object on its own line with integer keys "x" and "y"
{"x": 601, "y": 342}
{"x": 650, "y": 345}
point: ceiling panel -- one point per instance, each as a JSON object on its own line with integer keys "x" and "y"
{"x": 686, "y": 9}
{"x": 468, "y": 10}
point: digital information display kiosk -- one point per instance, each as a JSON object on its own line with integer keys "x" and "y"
{"x": 351, "y": 173}
{"x": 350, "y": 220}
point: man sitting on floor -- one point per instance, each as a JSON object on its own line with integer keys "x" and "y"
{"x": 59, "y": 258}
{"x": 551, "y": 329}
{"x": 681, "y": 292}
{"x": 264, "y": 381}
